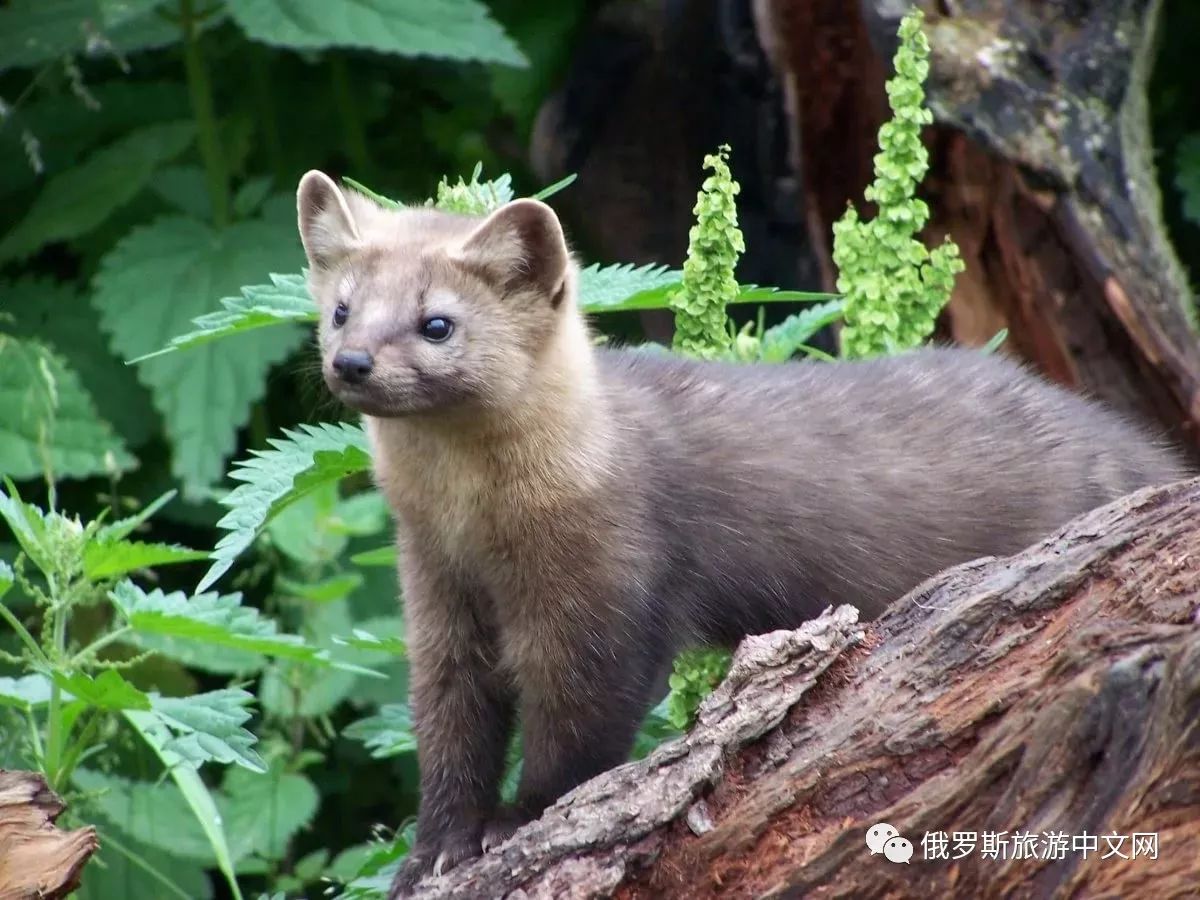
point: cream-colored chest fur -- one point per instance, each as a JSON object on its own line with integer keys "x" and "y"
{"x": 487, "y": 500}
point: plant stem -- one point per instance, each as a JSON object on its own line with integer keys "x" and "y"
{"x": 93, "y": 648}
{"x": 268, "y": 121}
{"x": 352, "y": 124}
{"x": 71, "y": 757}
{"x": 200, "y": 90}
{"x": 54, "y": 735}
{"x": 26, "y": 638}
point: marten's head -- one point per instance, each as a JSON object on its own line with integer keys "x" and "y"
{"x": 423, "y": 310}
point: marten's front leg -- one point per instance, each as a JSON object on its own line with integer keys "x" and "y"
{"x": 580, "y": 712}
{"x": 462, "y": 715}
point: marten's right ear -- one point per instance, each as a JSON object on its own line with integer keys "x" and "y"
{"x": 327, "y": 227}
{"x": 520, "y": 246}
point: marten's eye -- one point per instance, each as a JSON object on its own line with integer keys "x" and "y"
{"x": 436, "y": 329}
{"x": 340, "y": 312}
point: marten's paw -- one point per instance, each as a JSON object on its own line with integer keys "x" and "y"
{"x": 434, "y": 859}
{"x": 501, "y": 827}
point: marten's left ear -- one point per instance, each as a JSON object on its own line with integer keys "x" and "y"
{"x": 520, "y": 247}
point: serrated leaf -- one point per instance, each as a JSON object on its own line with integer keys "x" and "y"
{"x": 285, "y": 300}
{"x": 108, "y": 559}
{"x": 193, "y": 789}
{"x": 29, "y": 526}
{"x": 155, "y": 814}
{"x": 46, "y": 416}
{"x": 207, "y": 728}
{"x": 67, "y": 130}
{"x": 300, "y": 462}
{"x": 79, "y": 199}
{"x": 624, "y": 287}
{"x": 209, "y": 619}
{"x": 780, "y": 342}
{"x": 447, "y": 29}
{"x": 56, "y": 314}
{"x": 109, "y": 690}
{"x": 301, "y": 532}
{"x": 387, "y": 733}
{"x": 263, "y": 812}
{"x": 155, "y": 281}
{"x": 34, "y": 31}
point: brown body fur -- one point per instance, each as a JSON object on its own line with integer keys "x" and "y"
{"x": 569, "y": 518}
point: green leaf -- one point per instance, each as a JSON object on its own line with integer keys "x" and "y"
{"x": 447, "y": 29}
{"x": 380, "y": 556}
{"x": 302, "y": 531}
{"x": 206, "y": 728}
{"x": 155, "y": 814}
{"x": 995, "y": 341}
{"x": 387, "y": 733}
{"x": 263, "y": 812}
{"x": 780, "y": 342}
{"x": 299, "y": 463}
{"x": 77, "y": 200}
{"x": 67, "y": 130}
{"x": 205, "y": 397}
{"x": 207, "y": 619}
{"x": 122, "y": 528}
{"x": 551, "y": 189}
{"x": 107, "y": 559}
{"x": 194, "y": 792}
{"x": 283, "y": 301}
{"x": 46, "y": 416}
{"x": 56, "y": 314}
{"x": 362, "y": 639}
{"x": 625, "y": 287}
{"x": 125, "y": 867}
{"x": 34, "y": 31}
{"x": 6, "y": 578}
{"x": 108, "y": 690}
{"x": 30, "y": 526}
{"x": 336, "y": 587}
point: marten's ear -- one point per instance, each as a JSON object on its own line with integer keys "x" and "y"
{"x": 520, "y": 247}
{"x": 327, "y": 227}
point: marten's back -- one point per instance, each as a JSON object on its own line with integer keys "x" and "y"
{"x": 794, "y": 486}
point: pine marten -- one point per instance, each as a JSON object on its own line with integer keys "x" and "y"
{"x": 571, "y": 516}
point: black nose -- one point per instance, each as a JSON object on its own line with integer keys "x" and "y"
{"x": 353, "y": 365}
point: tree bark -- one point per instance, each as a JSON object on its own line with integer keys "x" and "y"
{"x": 1053, "y": 692}
{"x": 37, "y": 860}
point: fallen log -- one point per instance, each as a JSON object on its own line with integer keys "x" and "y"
{"x": 1026, "y": 715}
{"x": 38, "y": 860}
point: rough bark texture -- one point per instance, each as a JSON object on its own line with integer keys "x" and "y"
{"x": 1057, "y": 690}
{"x": 37, "y": 860}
